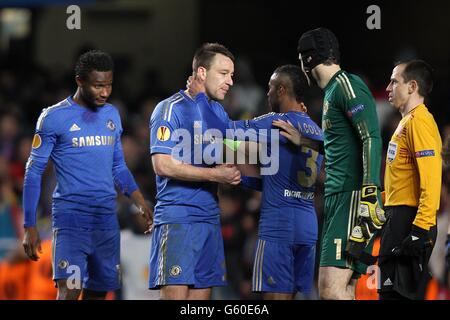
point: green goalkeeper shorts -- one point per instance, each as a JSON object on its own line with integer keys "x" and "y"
{"x": 340, "y": 215}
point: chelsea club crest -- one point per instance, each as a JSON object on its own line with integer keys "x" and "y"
{"x": 111, "y": 125}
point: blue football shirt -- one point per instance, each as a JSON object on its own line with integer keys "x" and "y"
{"x": 86, "y": 150}
{"x": 287, "y": 208}
{"x": 180, "y": 127}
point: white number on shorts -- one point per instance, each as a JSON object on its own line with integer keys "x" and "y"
{"x": 338, "y": 243}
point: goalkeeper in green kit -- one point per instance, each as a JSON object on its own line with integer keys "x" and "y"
{"x": 352, "y": 212}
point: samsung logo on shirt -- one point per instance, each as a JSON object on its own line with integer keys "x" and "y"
{"x": 92, "y": 141}
{"x": 205, "y": 139}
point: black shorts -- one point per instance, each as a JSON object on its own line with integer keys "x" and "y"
{"x": 406, "y": 275}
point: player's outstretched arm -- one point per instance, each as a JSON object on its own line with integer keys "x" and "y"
{"x": 241, "y": 152}
{"x": 166, "y": 166}
{"x": 288, "y": 131}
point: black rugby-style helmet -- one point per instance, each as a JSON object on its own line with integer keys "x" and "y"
{"x": 316, "y": 46}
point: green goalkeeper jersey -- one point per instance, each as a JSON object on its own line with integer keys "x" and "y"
{"x": 351, "y": 135}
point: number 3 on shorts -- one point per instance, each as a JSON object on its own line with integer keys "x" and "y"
{"x": 338, "y": 243}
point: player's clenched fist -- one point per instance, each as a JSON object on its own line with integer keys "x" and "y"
{"x": 226, "y": 173}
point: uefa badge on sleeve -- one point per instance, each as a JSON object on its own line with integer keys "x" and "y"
{"x": 37, "y": 141}
{"x": 163, "y": 133}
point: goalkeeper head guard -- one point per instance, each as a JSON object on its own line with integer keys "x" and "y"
{"x": 316, "y": 46}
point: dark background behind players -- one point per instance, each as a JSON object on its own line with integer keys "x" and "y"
{"x": 152, "y": 41}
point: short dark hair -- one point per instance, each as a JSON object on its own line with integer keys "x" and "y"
{"x": 205, "y": 54}
{"x": 93, "y": 60}
{"x": 298, "y": 83}
{"x": 332, "y": 60}
{"x": 420, "y": 71}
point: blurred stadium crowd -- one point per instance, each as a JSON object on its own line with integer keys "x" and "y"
{"x": 26, "y": 89}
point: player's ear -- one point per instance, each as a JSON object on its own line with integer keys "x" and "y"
{"x": 78, "y": 81}
{"x": 201, "y": 73}
{"x": 281, "y": 90}
{"x": 412, "y": 86}
{"x": 303, "y": 107}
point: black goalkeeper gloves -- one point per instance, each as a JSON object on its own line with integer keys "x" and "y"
{"x": 416, "y": 242}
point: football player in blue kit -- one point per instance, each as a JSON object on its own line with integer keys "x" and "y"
{"x": 187, "y": 256}
{"x": 81, "y": 135}
{"x": 288, "y": 231}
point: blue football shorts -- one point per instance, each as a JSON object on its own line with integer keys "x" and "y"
{"x": 187, "y": 254}
{"x": 87, "y": 258}
{"x": 283, "y": 267}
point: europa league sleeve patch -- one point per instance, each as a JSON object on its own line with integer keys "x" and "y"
{"x": 163, "y": 133}
{"x": 37, "y": 141}
{"x": 424, "y": 153}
